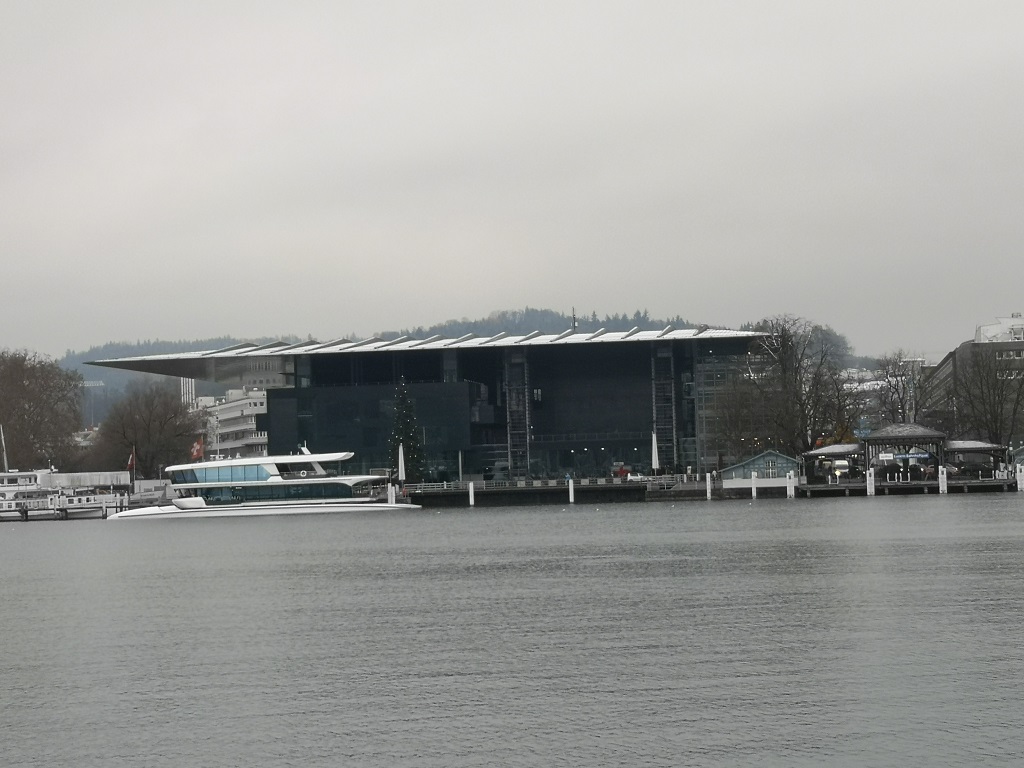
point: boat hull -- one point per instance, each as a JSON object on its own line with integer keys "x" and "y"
{"x": 170, "y": 511}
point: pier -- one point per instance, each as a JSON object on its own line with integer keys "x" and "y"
{"x": 689, "y": 488}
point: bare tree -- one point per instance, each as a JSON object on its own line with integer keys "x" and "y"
{"x": 901, "y": 392}
{"x": 40, "y": 409}
{"x": 989, "y": 396}
{"x": 152, "y": 420}
{"x": 799, "y": 370}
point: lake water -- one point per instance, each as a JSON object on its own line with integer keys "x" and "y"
{"x": 845, "y": 632}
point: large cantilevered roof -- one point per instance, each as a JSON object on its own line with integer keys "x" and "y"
{"x": 205, "y": 365}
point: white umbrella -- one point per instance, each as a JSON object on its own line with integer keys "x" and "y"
{"x": 401, "y": 463}
{"x": 655, "y": 464}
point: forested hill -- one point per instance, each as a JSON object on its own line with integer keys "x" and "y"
{"x": 523, "y": 321}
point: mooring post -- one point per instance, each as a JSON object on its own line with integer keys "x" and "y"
{"x": 707, "y": 477}
{"x": 753, "y": 485}
{"x": 943, "y": 480}
{"x": 791, "y": 484}
{"x": 871, "y": 481}
{"x": 472, "y": 499}
{"x": 572, "y": 492}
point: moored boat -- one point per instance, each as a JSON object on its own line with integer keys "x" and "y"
{"x": 303, "y": 483}
{"x": 38, "y": 494}
{"x": 26, "y": 495}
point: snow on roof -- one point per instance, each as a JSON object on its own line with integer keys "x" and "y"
{"x": 967, "y": 446}
{"x": 839, "y": 449}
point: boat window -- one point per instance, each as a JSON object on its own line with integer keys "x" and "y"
{"x": 314, "y": 491}
{"x": 235, "y": 474}
{"x": 296, "y": 468}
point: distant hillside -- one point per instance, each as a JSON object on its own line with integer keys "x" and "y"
{"x": 522, "y": 321}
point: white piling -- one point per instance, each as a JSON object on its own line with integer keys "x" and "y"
{"x": 871, "y": 481}
{"x": 943, "y": 480}
{"x": 472, "y": 499}
{"x": 572, "y": 492}
{"x": 791, "y": 484}
{"x": 753, "y": 485}
{"x": 708, "y": 478}
{"x": 1020, "y": 478}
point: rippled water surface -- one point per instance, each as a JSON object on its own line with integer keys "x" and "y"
{"x": 859, "y": 632}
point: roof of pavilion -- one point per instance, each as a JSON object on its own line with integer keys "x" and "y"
{"x": 972, "y": 446}
{"x": 839, "y": 449}
{"x": 901, "y": 433}
{"x": 906, "y": 434}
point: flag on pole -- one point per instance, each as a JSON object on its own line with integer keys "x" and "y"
{"x": 131, "y": 460}
{"x": 197, "y": 449}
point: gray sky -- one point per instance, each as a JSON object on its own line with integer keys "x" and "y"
{"x": 185, "y": 170}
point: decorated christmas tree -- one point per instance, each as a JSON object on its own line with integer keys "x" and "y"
{"x": 406, "y": 432}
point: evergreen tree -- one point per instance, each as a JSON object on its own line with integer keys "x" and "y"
{"x": 406, "y": 432}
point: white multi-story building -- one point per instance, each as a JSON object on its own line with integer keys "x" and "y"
{"x": 231, "y": 423}
{"x": 1004, "y": 329}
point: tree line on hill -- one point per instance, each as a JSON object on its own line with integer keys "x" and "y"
{"x": 529, "y": 319}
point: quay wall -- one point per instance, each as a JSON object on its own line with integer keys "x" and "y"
{"x": 550, "y": 493}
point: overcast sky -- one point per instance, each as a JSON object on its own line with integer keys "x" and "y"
{"x": 186, "y": 170}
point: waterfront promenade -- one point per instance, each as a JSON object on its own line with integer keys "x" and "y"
{"x": 685, "y": 488}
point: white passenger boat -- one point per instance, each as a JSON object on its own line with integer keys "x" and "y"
{"x": 268, "y": 485}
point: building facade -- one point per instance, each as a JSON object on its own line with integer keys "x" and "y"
{"x": 977, "y": 390}
{"x": 539, "y": 405}
{"x": 234, "y": 423}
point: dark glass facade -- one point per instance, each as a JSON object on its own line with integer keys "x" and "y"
{"x": 518, "y": 410}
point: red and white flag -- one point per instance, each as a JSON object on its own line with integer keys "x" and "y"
{"x": 131, "y": 460}
{"x": 197, "y": 449}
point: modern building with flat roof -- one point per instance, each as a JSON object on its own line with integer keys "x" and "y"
{"x": 535, "y": 405}
{"x": 997, "y": 349}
